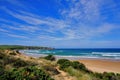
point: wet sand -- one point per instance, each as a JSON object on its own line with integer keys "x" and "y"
{"x": 102, "y": 65}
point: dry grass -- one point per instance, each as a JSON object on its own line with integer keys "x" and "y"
{"x": 80, "y": 75}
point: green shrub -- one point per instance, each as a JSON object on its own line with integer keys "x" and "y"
{"x": 118, "y": 75}
{"x": 17, "y": 51}
{"x": 64, "y": 65}
{"x": 78, "y": 65}
{"x": 20, "y": 63}
{"x": 50, "y": 57}
{"x": 13, "y": 53}
{"x": 110, "y": 76}
{"x": 53, "y": 70}
{"x": 1, "y": 70}
{"x": 61, "y": 61}
{"x": 98, "y": 75}
{"x": 107, "y": 76}
{"x": 27, "y": 73}
{"x": 8, "y": 60}
{"x": 2, "y": 55}
{"x": 75, "y": 64}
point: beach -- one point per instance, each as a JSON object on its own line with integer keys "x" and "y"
{"x": 100, "y": 61}
{"x": 95, "y": 65}
{"x": 99, "y": 65}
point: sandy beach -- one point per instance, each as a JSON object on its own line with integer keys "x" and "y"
{"x": 95, "y": 65}
{"x": 102, "y": 65}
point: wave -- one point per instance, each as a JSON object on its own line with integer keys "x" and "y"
{"x": 77, "y": 56}
{"x": 106, "y": 53}
{"x": 61, "y": 53}
{"x": 29, "y": 51}
{"x": 112, "y": 55}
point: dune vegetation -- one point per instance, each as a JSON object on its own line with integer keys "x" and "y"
{"x": 17, "y": 66}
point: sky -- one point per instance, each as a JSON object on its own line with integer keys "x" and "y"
{"x": 60, "y": 23}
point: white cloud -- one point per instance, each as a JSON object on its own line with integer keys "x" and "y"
{"x": 25, "y": 28}
{"x": 20, "y": 27}
{"x": 3, "y": 30}
{"x": 16, "y": 36}
{"x": 83, "y": 10}
{"x": 37, "y": 20}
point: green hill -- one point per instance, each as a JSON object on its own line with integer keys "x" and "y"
{"x": 12, "y": 47}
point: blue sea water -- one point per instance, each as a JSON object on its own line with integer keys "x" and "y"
{"x": 79, "y": 53}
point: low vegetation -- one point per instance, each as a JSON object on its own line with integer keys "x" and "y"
{"x": 77, "y": 69}
{"x": 51, "y": 70}
{"x": 107, "y": 76}
{"x": 64, "y": 63}
{"x": 15, "y": 66}
{"x": 26, "y": 73}
{"x": 50, "y": 57}
{"x": 20, "y": 69}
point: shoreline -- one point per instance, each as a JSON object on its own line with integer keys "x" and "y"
{"x": 72, "y": 57}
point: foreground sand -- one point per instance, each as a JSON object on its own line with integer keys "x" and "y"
{"x": 102, "y": 65}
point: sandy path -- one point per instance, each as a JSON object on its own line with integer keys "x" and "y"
{"x": 64, "y": 76}
{"x": 102, "y": 65}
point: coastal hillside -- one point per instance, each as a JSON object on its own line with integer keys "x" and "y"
{"x": 13, "y": 47}
{"x": 17, "y": 66}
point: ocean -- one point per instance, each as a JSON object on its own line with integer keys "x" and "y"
{"x": 78, "y": 53}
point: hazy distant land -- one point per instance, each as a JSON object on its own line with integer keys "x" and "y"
{"x": 13, "y": 47}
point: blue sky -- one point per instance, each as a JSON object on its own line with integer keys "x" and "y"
{"x": 61, "y": 23}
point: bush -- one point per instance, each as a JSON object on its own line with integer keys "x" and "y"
{"x": 110, "y": 76}
{"x": 2, "y": 55}
{"x": 1, "y": 70}
{"x": 8, "y": 60}
{"x": 50, "y": 57}
{"x": 13, "y": 53}
{"x": 75, "y": 64}
{"x": 78, "y": 65}
{"x": 61, "y": 61}
{"x": 98, "y": 75}
{"x": 20, "y": 63}
{"x": 53, "y": 70}
{"x": 107, "y": 76}
{"x": 18, "y": 52}
{"x": 27, "y": 73}
{"x": 64, "y": 65}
